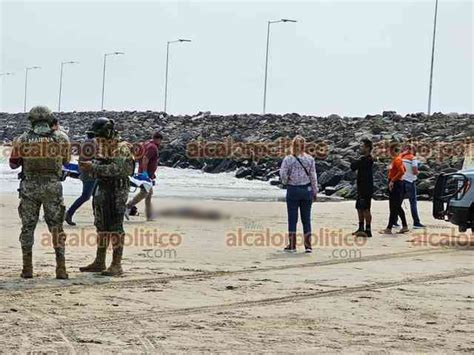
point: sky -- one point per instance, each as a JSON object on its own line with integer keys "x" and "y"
{"x": 344, "y": 57}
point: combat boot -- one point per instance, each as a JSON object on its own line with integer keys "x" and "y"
{"x": 115, "y": 268}
{"x": 27, "y": 272}
{"x": 98, "y": 265}
{"x": 59, "y": 242}
{"x": 61, "y": 273}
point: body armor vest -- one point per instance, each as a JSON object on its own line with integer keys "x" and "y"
{"x": 41, "y": 155}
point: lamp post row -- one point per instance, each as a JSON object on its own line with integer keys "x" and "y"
{"x": 269, "y": 23}
{"x": 104, "y": 71}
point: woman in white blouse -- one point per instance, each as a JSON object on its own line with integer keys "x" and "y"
{"x": 298, "y": 173}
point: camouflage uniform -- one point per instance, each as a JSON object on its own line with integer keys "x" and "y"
{"x": 41, "y": 152}
{"x": 111, "y": 169}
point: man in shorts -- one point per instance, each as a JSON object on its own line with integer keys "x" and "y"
{"x": 365, "y": 188}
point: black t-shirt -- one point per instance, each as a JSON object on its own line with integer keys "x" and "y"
{"x": 365, "y": 176}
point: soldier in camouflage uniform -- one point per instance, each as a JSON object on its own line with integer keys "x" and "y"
{"x": 41, "y": 152}
{"x": 112, "y": 167}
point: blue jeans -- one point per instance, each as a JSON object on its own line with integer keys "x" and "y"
{"x": 299, "y": 198}
{"x": 409, "y": 189}
{"x": 87, "y": 190}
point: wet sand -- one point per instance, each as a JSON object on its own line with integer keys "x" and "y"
{"x": 225, "y": 286}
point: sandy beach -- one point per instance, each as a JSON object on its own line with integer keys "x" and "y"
{"x": 229, "y": 120}
{"x": 224, "y": 285}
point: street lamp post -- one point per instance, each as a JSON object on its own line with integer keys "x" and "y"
{"x": 266, "y": 60}
{"x": 432, "y": 57}
{"x": 5, "y": 74}
{"x": 103, "y": 74}
{"x": 26, "y": 84}
{"x": 167, "y": 64}
{"x": 61, "y": 82}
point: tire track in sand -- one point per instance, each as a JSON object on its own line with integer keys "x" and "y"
{"x": 276, "y": 300}
{"x": 140, "y": 282}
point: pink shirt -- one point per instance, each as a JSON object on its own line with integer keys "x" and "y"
{"x": 292, "y": 173}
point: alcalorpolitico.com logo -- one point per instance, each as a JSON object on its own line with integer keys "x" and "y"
{"x": 266, "y": 237}
{"x": 230, "y": 149}
{"x": 139, "y": 237}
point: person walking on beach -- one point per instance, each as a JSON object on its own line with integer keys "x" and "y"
{"x": 395, "y": 192}
{"x": 88, "y": 148}
{"x": 298, "y": 173}
{"x": 36, "y": 152}
{"x": 112, "y": 166}
{"x": 409, "y": 181}
{"x": 147, "y": 166}
{"x": 365, "y": 188}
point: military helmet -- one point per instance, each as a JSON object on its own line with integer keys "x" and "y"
{"x": 40, "y": 114}
{"x": 102, "y": 127}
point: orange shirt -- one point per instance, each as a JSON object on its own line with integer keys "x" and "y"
{"x": 397, "y": 169}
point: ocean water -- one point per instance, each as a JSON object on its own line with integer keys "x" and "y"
{"x": 177, "y": 183}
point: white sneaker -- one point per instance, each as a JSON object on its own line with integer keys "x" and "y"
{"x": 127, "y": 213}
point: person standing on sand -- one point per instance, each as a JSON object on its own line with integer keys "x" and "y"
{"x": 365, "y": 188}
{"x": 36, "y": 152}
{"x": 88, "y": 182}
{"x": 112, "y": 166}
{"x": 396, "y": 171}
{"x": 409, "y": 181}
{"x": 298, "y": 172}
{"x": 147, "y": 166}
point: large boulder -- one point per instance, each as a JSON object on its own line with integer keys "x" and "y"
{"x": 331, "y": 177}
